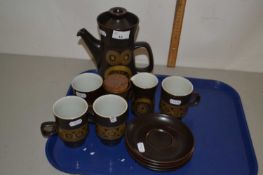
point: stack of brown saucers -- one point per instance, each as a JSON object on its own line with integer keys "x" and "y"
{"x": 159, "y": 142}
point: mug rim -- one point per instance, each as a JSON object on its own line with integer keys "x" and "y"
{"x": 180, "y": 78}
{"x": 66, "y": 98}
{"x": 86, "y": 75}
{"x": 110, "y": 96}
{"x": 141, "y": 75}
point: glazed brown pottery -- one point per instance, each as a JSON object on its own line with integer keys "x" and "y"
{"x": 114, "y": 53}
{"x": 117, "y": 84}
{"x": 89, "y": 87}
{"x": 159, "y": 142}
{"x": 177, "y": 95}
{"x": 71, "y": 121}
{"x": 143, "y": 93}
{"x": 110, "y": 118}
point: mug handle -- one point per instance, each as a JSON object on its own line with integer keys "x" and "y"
{"x": 48, "y": 129}
{"x": 145, "y": 45}
{"x": 195, "y": 99}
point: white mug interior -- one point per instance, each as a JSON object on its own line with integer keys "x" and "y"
{"x": 70, "y": 107}
{"x": 87, "y": 82}
{"x": 110, "y": 105}
{"x": 177, "y": 86}
{"x": 144, "y": 80}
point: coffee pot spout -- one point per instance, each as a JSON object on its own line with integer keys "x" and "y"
{"x": 92, "y": 43}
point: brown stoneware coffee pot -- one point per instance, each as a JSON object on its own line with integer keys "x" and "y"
{"x": 114, "y": 53}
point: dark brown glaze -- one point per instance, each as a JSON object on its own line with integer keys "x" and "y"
{"x": 180, "y": 109}
{"x": 143, "y": 100}
{"x": 115, "y": 51}
{"x": 168, "y": 143}
{"x": 72, "y": 136}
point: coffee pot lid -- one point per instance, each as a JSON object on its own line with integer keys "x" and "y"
{"x": 117, "y": 18}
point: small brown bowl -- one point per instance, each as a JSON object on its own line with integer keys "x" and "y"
{"x": 117, "y": 84}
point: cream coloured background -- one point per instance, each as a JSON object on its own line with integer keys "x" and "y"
{"x": 226, "y": 34}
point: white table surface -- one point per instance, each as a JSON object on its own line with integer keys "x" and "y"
{"x": 31, "y": 84}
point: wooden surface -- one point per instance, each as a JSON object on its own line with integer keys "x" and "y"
{"x": 176, "y": 32}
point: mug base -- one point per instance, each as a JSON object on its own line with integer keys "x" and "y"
{"x": 176, "y": 111}
{"x": 75, "y": 144}
{"x": 110, "y": 142}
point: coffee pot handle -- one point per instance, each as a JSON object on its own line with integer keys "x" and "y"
{"x": 145, "y": 45}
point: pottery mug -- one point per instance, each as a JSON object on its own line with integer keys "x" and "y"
{"x": 144, "y": 85}
{"x": 71, "y": 122}
{"x": 89, "y": 87}
{"x": 110, "y": 117}
{"x": 177, "y": 95}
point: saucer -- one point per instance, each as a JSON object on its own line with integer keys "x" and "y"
{"x": 159, "y": 141}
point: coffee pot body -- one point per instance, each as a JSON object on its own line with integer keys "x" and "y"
{"x": 114, "y": 52}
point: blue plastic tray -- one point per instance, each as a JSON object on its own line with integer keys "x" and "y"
{"x": 223, "y": 144}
